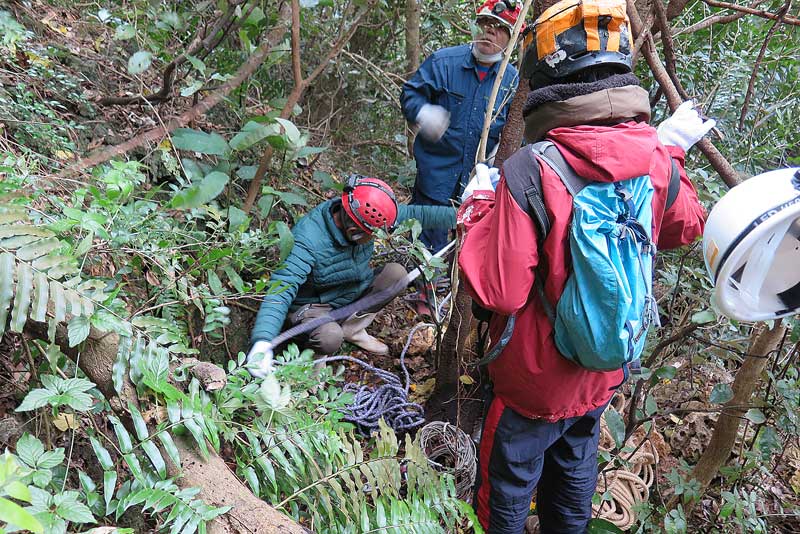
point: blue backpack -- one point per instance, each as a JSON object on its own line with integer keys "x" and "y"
{"x": 601, "y": 320}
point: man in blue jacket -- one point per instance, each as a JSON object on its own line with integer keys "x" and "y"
{"x": 447, "y": 98}
{"x": 329, "y": 267}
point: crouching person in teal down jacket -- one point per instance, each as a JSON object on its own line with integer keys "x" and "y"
{"x": 329, "y": 267}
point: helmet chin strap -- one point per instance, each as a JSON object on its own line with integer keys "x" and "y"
{"x": 486, "y": 58}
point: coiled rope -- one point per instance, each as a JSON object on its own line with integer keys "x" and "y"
{"x": 627, "y": 486}
{"x": 450, "y": 449}
{"x": 388, "y": 401}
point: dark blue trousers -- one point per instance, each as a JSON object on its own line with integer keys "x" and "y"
{"x": 519, "y": 455}
{"x": 433, "y": 238}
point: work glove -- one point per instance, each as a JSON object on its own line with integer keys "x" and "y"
{"x": 433, "y": 121}
{"x": 259, "y": 359}
{"x": 684, "y": 128}
{"x": 484, "y": 179}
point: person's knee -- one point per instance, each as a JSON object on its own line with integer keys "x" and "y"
{"x": 394, "y": 272}
{"x": 327, "y": 338}
{"x": 389, "y": 275}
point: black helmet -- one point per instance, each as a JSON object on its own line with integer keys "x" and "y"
{"x": 575, "y": 35}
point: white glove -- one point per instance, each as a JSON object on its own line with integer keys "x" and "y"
{"x": 433, "y": 121}
{"x": 484, "y": 179}
{"x": 259, "y": 359}
{"x": 684, "y": 128}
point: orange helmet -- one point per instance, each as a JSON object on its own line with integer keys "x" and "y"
{"x": 574, "y": 35}
{"x": 506, "y": 11}
{"x": 370, "y": 203}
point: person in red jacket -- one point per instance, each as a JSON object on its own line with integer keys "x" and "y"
{"x": 542, "y": 425}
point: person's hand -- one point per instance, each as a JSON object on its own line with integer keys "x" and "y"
{"x": 259, "y": 359}
{"x": 484, "y": 179}
{"x": 433, "y": 121}
{"x": 684, "y": 128}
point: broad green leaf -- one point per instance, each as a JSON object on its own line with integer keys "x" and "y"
{"x": 36, "y": 399}
{"x": 18, "y": 490}
{"x": 124, "y": 32}
{"x": 85, "y": 245}
{"x": 755, "y": 416}
{"x": 6, "y": 287}
{"x": 192, "y": 88}
{"x": 123, "y": 437}
{"x": 14, "y": 514}
{"x": 78, "y": 330}
{"x": 109, "y": 485}
{"x": 22, "y": 298}
{"x": 59, "y": 300}
{"x": 169, "y": 446}
{"x": 252, "y": 133}
{"x": 198, "y": 195}
{"x": 139, "y": 62}
{"x": 139, "y": 424}
{"x": 650, "y": 405}
{"x": 705, "y": 316}
{"x": 152, "y": 452}
{"x": 102, "y": 454}
{"x": 41, "y": 292}
{"x": 237, "y": 219}
{"x": 616, "y": 426}
{"x": 29, "y": 449}
{"x": 197, "y": 141}
{"x": 602, "y": 526}
{"x": 71, "y": 509}
{"x": 286, "y": 239}
{"x": 291, "y": 131}
{"x": 198, "y": 64}
{"x": 51, "y": 459}
{"x": 721, "y": 394}
{"x": 38, "y": 249}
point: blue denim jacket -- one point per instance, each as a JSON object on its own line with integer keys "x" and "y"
{"x": 449, "y": 78}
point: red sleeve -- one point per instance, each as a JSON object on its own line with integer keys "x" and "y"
{"x": 685, "y": 219}
{"x": 499, "y": 254}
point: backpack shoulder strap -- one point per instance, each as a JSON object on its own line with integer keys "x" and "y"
{"x": 521, "y": 172}
{"x": 550, "y": 154}
{"x": 674, "y": 184}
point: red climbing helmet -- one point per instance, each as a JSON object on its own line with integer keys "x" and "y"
{"x": 370, "y": 203}
{"x": 505, "y": 11}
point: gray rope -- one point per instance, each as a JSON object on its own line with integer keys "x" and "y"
{"x": 388, "y": 400}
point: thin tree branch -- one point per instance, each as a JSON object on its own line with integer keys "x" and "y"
{"x": 751, "y": 86}
{"x": 297, "y": 92}
{"x": 715, "y": 158}
{"x": 245, "y": 71}
{"x": 715, "y": 19}
{"x": 758, "y": 12}
{"x": 297, "y": 72}
{"x": 168, "y": 77}
{"x": 669, "y": 48}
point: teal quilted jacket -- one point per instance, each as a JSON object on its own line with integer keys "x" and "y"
{"x": 325, "y": 268}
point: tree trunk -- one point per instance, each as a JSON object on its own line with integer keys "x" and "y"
{"x": 762, "y": 343}
{"x": 218, "y": 485}
{"x": 412, "y": 36}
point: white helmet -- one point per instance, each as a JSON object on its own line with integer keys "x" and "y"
{"x": 751, "y": 246}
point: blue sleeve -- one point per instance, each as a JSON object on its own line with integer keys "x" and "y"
{"x": 428, "y": 216}
{"x": 275, "y": 306}
{"x": 421, "y": 89}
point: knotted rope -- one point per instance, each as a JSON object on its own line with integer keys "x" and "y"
{"x": 388, "y": 401}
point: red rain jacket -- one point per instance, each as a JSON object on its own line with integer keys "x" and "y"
{"x": 500, "y": 253}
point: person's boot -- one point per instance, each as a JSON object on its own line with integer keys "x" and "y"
{"x": 354, "y": 329}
